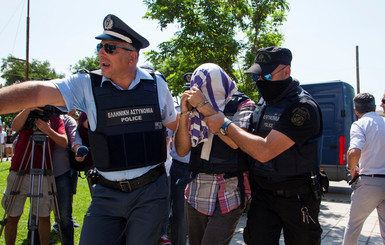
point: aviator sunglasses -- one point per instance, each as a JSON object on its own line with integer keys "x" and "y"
{"x": 110, "y": 48}
{"x": 267, "y": 77}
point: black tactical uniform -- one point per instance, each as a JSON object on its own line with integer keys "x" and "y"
{"x": 284, "y": 194}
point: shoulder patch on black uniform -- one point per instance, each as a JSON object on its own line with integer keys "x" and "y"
{"x": 300, "y": 115}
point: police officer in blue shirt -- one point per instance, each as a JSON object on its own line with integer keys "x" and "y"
{"x": 128, "y": 109}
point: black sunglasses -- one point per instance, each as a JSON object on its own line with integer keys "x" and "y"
{"x": 383, "y": 101}
{"x": 267, "y": 77}
{"x": 110, "y": 48}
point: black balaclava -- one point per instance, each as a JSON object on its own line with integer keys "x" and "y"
{"x": 271, "y": 90}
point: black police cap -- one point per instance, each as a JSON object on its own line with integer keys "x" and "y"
{"x": 116, "y": 30}
{"x": 268, "y": 59}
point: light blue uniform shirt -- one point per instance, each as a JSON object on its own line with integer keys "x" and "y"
{"x": 77, "y": 94}
{"x": 174, "y": 155}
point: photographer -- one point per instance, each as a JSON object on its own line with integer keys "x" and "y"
{"x": 24, "y": 123}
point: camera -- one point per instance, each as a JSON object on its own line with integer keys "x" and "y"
{"x": 44, "y": 114}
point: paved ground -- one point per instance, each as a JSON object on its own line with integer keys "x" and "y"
{"x": 333, "y": 218}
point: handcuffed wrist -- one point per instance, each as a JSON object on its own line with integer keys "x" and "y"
{"x": 202, "y": 103}
{"x": 185, "y": 112}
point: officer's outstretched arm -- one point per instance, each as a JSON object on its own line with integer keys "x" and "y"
{"x": 17, "y": 97}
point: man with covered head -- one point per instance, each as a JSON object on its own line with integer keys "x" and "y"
{"x": 283, "y": 149}
{"x": 128, "y": 109}
{"x": 219, "y": 189}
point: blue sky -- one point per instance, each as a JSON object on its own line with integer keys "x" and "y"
{"x": 322, "y": 35}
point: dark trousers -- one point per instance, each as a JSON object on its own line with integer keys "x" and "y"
{"x": 179, "y": 174}
{"x": 269, "y": 214}
{"x": 217, "y": 229}
{"x": 135, "y": 217}
{"x": 64, "y": 193}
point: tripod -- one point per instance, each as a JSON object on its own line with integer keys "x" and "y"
{"x": 37, "y": 139}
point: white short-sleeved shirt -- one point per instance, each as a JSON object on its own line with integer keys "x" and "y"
{"x": 368, "y": 135}
{"x": 77, "y": 94}
{"x": 3, "y": 137}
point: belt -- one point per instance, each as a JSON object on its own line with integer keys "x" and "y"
{"x": 374, "y": 175}
{"x": 292, "y": 192}
{"x": 133, "y": 184}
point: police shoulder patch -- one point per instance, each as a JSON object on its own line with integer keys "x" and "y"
{"x": 299, "y": 116}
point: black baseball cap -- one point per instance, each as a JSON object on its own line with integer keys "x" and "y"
{"x": 116, "y": 30}
{"x": 268, "y": 59}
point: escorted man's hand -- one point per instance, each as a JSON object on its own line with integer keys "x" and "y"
{"x": 195, "y": 96}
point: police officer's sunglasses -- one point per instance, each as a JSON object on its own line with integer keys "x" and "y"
{"x": 110, "y": 48}
{"x": 267, "y": 77}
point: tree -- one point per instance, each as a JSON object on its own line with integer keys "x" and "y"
{"x": 13, "y": 71}
{"x": 88, "y": 63}
{"x": 225, "y": 32}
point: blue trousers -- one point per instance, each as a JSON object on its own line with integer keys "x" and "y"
{"x": 179, "y": 174}
{"x": 135, "y": 217}
{"x": 64, "y": 193}
{"x": 164, "y": 230}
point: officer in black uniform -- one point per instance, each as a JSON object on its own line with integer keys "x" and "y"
{"x": 283, "y": 145}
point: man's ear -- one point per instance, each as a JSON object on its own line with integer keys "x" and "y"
{"x": 358, "y": 114}
{"x": 133, "y": 57}
{"x": 287, "y": 71}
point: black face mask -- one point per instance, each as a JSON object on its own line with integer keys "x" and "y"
{"x": 270, "y": 90}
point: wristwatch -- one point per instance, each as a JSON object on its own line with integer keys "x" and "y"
{"x": 224, "y": 127}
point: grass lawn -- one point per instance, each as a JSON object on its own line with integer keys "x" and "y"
{"x": 81, "y": 202}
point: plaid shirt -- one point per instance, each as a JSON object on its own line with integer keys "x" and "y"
{"x": 205, "y": 189}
